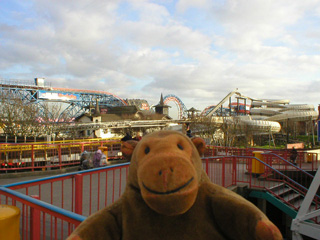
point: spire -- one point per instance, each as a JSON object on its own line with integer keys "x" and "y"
{"x": 161, "y": 100}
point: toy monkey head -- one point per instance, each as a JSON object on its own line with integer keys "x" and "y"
{"x": 166, "y": 167}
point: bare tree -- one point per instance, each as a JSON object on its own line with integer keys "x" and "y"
{"x": 230, "y": 128}
{"x": 244, "y": 134}
{"x": 50, "y": 117}
{"x": 223, "y": 131}
{"x": 18, "y": 117}
{"x": 204, "y": 127}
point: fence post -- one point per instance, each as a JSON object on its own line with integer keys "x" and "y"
{"x": 223, "y": 171}
{"x": 78, "y": 193}
{"x": 60, "y": 156}
{"x": 35, "y": 221}
{"x": 207, "y": 166}
{"x": 32, "y": 157}
{"x": 82, "y": 147}
{"x": 234, "y": 171}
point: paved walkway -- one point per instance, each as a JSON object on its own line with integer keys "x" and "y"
{"x": 8, "y": 178}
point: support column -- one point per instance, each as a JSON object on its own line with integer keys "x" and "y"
{"x": 78, "y": 193}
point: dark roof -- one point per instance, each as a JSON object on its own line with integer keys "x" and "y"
{"x": 122, "y": 110}
{"x": 193, "y": 110}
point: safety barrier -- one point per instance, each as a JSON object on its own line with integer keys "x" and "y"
{"x": 31, "y": 157}
{"x": 43, "y": 156}
{"x": 296, "y": 171}
{"x": 309, "y": 161}
{"x": 65, "y": 199}
{"x": 232, "y": 170}
{"x": 68, "y": 199}
{"x": 227, "y": 151}
{"x": 40, "y": 220}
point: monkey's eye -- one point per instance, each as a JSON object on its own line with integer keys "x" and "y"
{"x": 180, "y": 146}
{"x": 146, "y": 150}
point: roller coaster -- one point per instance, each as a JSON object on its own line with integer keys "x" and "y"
{"x": 76, "y": 101}
{"x": 261, "y": 114}
{"x": 182, "y": 110}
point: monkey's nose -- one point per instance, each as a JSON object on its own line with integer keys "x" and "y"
{"x": 165, "y": 174}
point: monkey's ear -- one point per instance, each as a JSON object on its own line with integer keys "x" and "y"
{"x": 200, "y": 144}
{"x": 127, "y": 148}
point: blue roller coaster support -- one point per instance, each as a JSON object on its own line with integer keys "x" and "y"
{"x": 76, "y": 101}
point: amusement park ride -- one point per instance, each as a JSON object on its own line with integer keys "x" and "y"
{"x": 259, "y": 114}
{"x": 76, "y": 101}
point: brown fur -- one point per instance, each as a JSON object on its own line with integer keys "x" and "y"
{"x": 169, "y": 196}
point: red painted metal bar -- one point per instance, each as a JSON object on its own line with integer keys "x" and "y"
{"x": 60, "y": 156}
{"x": 207, "y": 166}
{"x": 106, "y": 195}
{"x": 72, "y": 195}
{"x": 44, "y": 224}
{"x": 55, "y": 228}
{"x": 32, "y": 157}
{"x": 113, "y": 180}
{"x": 234, "y": 171}
{"x": 35, "y": 222}
{"x": 23, "y": 220}
{"x": 78, "y": 193}
{"x": 223, "y": 172}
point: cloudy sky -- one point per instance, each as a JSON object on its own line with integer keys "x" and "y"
{"x": 198, "y": 50}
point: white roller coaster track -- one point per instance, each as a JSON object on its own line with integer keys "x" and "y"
{"x": 256, "y": 126}
{"x": 294, "y": 115}
{"x": 262, "y": 126}
{"x": 267, "y": 113}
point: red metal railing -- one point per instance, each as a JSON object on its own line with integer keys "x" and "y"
{"x": 305, "y": 160}
{"x": 298, "y": 171}
{"x": 289, "y": 185}
{"x": 40, "y": 220}
{"x": 31, "y": 157}
{"x": 81, "y": 193}
{"x": 67, "y": 199}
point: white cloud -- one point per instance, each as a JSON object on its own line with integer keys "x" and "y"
{"x": 183, "y": 5}
{"x": 197, "y": 50}
{"x": 150, "y": 12}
